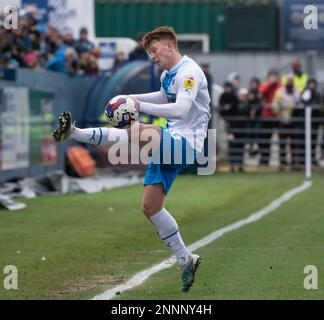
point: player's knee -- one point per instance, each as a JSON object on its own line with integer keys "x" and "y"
{"x": 149, "y": 209}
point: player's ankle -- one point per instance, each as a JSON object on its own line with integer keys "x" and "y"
{"x": 72, "y": 133}
{"x": 184, "y": 261}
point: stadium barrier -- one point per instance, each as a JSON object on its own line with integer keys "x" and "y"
{"x": 276, "y": 143}
{"x": 29, "y": 108}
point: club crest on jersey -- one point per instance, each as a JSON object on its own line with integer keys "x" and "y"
{"x": 189, "y": 83}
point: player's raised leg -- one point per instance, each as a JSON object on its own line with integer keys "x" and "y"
{"x": 95, "y": 136}
{"x": 138, "y": 133}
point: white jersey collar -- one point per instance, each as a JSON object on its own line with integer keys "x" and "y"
{"x": 178, "y": 64}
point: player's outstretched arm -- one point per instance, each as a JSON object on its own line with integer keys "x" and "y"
{"x": 152, "y": 97}
{"x": 177, "y": 110}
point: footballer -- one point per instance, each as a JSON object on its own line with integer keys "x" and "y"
{"x": 184, "y": 101}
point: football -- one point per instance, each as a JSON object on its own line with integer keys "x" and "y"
{"x": 121, "y": 111}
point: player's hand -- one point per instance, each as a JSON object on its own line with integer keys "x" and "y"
{"x": 137, "y": 102}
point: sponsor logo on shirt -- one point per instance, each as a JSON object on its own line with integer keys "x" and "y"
{"x": 189, "y": 83}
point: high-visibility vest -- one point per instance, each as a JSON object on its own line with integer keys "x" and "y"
{"x": 160, "y": 122}
{"x": 144, "y": 119}
{"x": 299, "y": 81}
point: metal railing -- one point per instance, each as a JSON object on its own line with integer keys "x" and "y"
{"x": 274, "y": 142}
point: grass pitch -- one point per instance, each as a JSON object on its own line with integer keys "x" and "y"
{"x": 77, "y": 246}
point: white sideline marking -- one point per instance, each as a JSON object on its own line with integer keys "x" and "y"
{"x": 140, "y": 277}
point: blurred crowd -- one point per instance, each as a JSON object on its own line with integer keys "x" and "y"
{"x": 36, "y": 45}
{"x": 138, "y": 53}
{"x": 278, "y": 103}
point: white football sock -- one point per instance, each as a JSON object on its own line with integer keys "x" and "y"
{"x": 168, "y": 231}
{"x": 99, "y": 136}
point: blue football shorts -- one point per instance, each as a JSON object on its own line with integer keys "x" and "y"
{"x": 166, "y": 163}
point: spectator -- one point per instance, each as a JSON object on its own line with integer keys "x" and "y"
{"x": 83, "y": 45}
{"x": 205, "y": 69}
{"x": 56, "y": 62}
{"x": 34, "y": 40}
{"x": 139, "y": 52}
{"x": 228, "y": 108}
{"x": 4, "y": 45}
{"x": 7, "y": 61}
{"x": 31, "y": 60}
{"x": 268, "y": 120}
{"x": 94, "y": 68}
{"x": 120, "y": 60}
{"x": 209, "y": 77}
{"x": 235, "y": 79}
{"x": 23, "y": 31}
{"x": 95, "y": 52}
{"x": 300, "y": 77}
{"x": 51, "y": 39}
{"x": 228, "y": 101}
{"x": 71, "y": 61}
{"x": 285, "y": 101}
{"x": 253, "y": 113}
{"x": 311, "y": 95}
{"x": 68, "y": 38}
{"x": 242, "y": 126}
{"x": 88, "y": 65}
{"x": 43, "y": 48}
{"x": 312, "y": 98}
